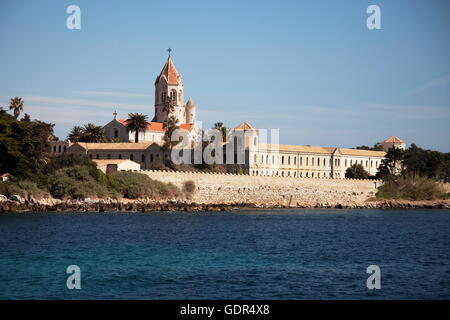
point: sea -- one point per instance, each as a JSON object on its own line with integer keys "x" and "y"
{"x": 243, "y": 254}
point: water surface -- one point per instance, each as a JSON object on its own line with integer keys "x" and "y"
{"x": 260, "y": 254}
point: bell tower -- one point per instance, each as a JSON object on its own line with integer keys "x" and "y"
{"x": 169, "y": 83}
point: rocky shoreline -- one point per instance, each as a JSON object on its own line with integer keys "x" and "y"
{"x": 18, "y": 204}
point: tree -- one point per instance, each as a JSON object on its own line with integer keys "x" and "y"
{"x": 136, "y": 122}
{"x": 93, "y": 133}
{"x": 392, "y": 164}
{"x": 222, "y": 129}
{"x": 169, "y": 106}
{"x": 376, "y": 147}
{"x": 24, "y": 146}
{"x": 356, "y": 171}
{"x": 16, "y": 104}
{"x": 26, "y": 118}
{"x": 76, "y": 134}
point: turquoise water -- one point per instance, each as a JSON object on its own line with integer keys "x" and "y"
{"x": 263, "y": 254}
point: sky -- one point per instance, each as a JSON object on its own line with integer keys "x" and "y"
{"x": 311, "y": 68}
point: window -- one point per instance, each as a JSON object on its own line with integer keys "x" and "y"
{"x": 262, "y": 159}
{"x": 289, "y": 160}
{"x": 367, "y": 163}
{"x": 151, "y": 158}
{"x": 295, "y": 160}
{"x": 54, "y": 148}
{"x": 108, "y": 156}
{"x": 59, "y": 148}
{"x": 173, "y": 95}
{"x": 312, "y": 175}
{"x": 143, "y": 158}
{"x": 163, "y": 96}
{"x": 282, "y": 160}
{"x": 307, "y": 174}
{"x": 120, "y": 156}
{"x": 273, "y": 159}
{"x": 116, "y": 133}
{"x": 301, "y": 161}
{"x": 131, "y": 157}
{"x": 307, "y": 160}
{"x": 267, "y": 159}
{"x": 97, "y": 156}
{"x": 64, "y": 148}
{"x": 254, "y": 140}
{"x": 324, "y": 162}
{"x": 346, "y": 162}
{"x": 312, "y": 161}
{"x": 255, "y": 159}
{"x": 90, "y": 156}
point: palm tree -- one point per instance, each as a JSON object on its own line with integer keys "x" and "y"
{"x": 76, "y": 134}
{"x": 222, "y": 129}
{"x": 93, "y": 133}
{"x": 171, "y": 124}
{"x": 136, "y": 122}
{"x": 16, "y": 104}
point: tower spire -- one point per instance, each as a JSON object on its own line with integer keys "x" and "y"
{"x": 169, "y": 51}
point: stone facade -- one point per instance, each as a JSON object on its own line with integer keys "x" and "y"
{"x": 263, "y": 190}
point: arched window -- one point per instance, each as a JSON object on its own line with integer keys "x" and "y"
{"x": 255, "y": 159}
{"x": 54, "y": 148}
{"x": 151, "y": 157}
{"x": 312, "y": 161}
{"x": 116, "y": 133}
{"x": 143, "y": 158}
{"x": 97, "y": 156}
{"x": 254, "y": 141}
{"x": 267, "y": 159}
{"x": 301, "y": 161}
{"x": 163, "y": 96}
{"x": 312, "y": 175}
{"x": 131, "y": 156}
{"x": 307, "y": 160}
{"x": 346, "y": 162}
{"x": 120, "y": 156}
{"x": 282, "y": 160}
{"x": 324, "y": 162}
{"x": 173, "y": 95}
{"x": 289, "y": 160}
{"x": 262, "y": 159}
{"x": 273, "y": 159}
{"x": 90, "y": 156}
{"x": 59, "y": 148}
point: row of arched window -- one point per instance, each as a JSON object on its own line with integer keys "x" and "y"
{"x": 287, "y": 173}
{"x": 173, "y": 94}
{"x": 312, "y": 161}
{"x": 130, "y": 156}
{"x": 59, "y": 149}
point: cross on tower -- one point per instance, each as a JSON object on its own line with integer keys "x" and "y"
{"x": 169, "y": 51}
{"x": 115, "y": 114}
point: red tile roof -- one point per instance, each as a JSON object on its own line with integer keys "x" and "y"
{"x": 159, "y": 126}
{"x": 394, "y": 139}
{"x": 170, "y": 73}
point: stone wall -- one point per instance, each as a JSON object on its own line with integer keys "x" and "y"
{"x": 261, "y": 190}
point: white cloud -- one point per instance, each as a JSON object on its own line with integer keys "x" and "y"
{"x": 112, "y": 94}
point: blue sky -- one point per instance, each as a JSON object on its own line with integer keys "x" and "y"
{"x": 310, "y": 68}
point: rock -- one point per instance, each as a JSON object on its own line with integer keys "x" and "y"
{"x": 3, "y": 198}
{"x": 17, "y": 198}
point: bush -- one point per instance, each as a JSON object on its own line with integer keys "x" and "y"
{"x": 356, "y": 171}
{"x": 135, "y": 185}
{"x": 75, "y": 182}
{"x": 23, "y": 188}
{"x": 189, "y": 186}
{"x": 411, "y": 188}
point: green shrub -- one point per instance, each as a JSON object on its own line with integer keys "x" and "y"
{"x": 22, "y": 188}
{"x": 75, "y": 182}
{"x": 189, "y": 186}
{"x": 418, "y": 188}
{"x": 135, "y": 185}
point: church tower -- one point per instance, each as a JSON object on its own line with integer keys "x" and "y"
{"x": 169, "y": 83}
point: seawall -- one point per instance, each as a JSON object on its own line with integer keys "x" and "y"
{"x": 267, "y": 191}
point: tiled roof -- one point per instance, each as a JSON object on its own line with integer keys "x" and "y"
{"x": 110, "y": 161}
{"x": 113, "y": 146}
{"x": 159, "y": 126}
{"x": 321, "y": 150}
{"x": 170, "y": 73}
{"x": 244, "y": 126}
{"x": 292, "y": 148}
{"x": 358, "y": 152}
{"x": 394, "y": 139}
